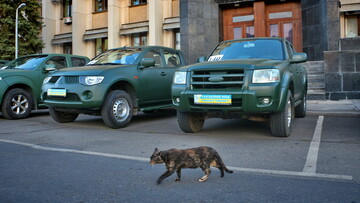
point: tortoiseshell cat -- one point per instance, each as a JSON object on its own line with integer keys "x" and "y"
{"x": 176, "y": 159}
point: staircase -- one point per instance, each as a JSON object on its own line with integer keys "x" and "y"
{"x": 316, "y": 80}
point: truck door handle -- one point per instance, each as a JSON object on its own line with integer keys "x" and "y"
{"x": 163, "y": 74}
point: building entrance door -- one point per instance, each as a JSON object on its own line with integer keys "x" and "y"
{"x": 264, "y": 20}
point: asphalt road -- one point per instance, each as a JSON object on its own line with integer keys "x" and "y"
{"x": 84, "y": 161}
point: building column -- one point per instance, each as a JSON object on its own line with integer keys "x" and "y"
{"x": 113, "y": 24}
{"x": 155, "y": 12}
{"x": 259, "y": 23}
{"x": 51, "y": 18}
{"x": 80, "y": 13}
{"x": 199, "y": 28}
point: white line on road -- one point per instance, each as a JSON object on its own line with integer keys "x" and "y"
{"x": 311, "y": 160}
{"x": 142, "y": 159}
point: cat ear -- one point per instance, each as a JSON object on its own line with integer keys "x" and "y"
{"x": 156, "y": 150}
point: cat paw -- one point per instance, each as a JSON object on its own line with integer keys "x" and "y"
{"x": 158, "y": 182}
{"x": 177, "y": 180}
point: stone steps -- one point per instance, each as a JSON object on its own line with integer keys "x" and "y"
{"x": 316, "y": 80}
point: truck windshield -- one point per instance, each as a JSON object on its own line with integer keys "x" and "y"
{"x": 116, "y": 56}
{"x": 25, "y": 63}
{"x": 248, "y": 49}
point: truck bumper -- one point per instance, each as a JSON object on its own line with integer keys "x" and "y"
{"x": 258, "y": 99}
{"x": 77, "y": 96}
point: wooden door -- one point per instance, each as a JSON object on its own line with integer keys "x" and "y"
{"x": 264, "y": 20}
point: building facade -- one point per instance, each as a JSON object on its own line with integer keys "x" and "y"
{"x": 327, "y": 30}
{"x": 88, "y": 27}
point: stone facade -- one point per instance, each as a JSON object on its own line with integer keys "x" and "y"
{"x": 199, "y": 22}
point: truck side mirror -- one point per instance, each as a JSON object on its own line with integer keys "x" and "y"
{"x": 147, "y": 62}
{"x": 49, "y": 67}
{"x": 299, "y": 58}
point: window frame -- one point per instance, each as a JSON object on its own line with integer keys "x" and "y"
{"x": 104, "y": 7}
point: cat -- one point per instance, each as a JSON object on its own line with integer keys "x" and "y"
{"x": 176, "y": 159}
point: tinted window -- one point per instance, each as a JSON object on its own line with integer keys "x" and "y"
{"x": 26, "y": 63}
{"x": 172, "y": 59}
{"x": 58, "y": 62}
{"x": 248, "y": 49}
{"x": 154, "y": 54}
{"x": 78, "y": 61}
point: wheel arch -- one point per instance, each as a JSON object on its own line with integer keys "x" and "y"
{"x": 25, "y": 87}
{"x": 124, "y": 86}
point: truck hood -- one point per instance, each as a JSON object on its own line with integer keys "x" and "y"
{"x": 88, "y": 70}
{"x": 12, "y": 72}
{"x": 242, "y": 63}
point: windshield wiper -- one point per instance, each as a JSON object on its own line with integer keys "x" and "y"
{"x": 109, "y": 63}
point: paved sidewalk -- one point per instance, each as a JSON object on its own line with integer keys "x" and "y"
{"x": 349, "y": 107}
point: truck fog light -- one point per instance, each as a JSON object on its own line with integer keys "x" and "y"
{"x": 177, "y": 99}
{"x": 88, "y": 95}
{"x": 266, "y": 100}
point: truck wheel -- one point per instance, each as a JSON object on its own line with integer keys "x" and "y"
{"x": 190, "y": 122}
{"x": 17, "y": 104}
{"x": 281, "y": 123}
{"x": 117, "y": 110}
{"x": 62, "y": 117}
{"x": 300, "y": 110}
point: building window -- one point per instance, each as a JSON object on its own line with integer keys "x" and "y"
{"x": 352, "y": 25}
{"x": 67, "y": 48}
{"x": 138, "y": 2}
{"x": 139, "y": 39}
{"x": 177, "y": 39}
{"x": 67, "y": 4}
{"x": 101, "y": 45}
{"x": 101, "y": 5}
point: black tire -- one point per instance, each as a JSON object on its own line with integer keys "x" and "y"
{"x": 300, "y": 110}
{"x": 61, "y": 116}
{"x": 190, "y": 122}
{"x": 17, "y": 104}
{"x": 117, "y": 110}
{"x": 281, "y": 123}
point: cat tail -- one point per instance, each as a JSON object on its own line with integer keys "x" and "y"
{"x": 221, "y": 163}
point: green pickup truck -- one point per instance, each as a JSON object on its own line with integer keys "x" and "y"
{"x": 254, "y": 78}
{"x": 116, "y": 84}
{"x": 21, "y": 80}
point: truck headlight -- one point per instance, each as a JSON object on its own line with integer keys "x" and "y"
{"x": 266, "y": 76}
{"x": 91, "y": 80}
{"x": 47, "y": 79}
{"x": 180, "y": 78}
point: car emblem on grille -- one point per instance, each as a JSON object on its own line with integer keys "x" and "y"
{"x": 216, "y": 79}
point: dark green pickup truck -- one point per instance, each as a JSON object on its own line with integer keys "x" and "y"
{"x": 21, "y": 80}
{"x": 116, "y": 85}
{"x": 254, "y": 78}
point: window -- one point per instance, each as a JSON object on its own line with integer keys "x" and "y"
{"x": 154, "y": 54}
{"x": 172, "y": 59}
{"x": 101, "y": 45}
{"x": 177, "y": 39}
{"x": 78, "y": 61}
{"x": 58, "y": 62}
{"x": 67, "y": 48}
{"x": 101, "y": 5}
{"x": 352, "y": 25}
{"x": 139, "y": 39}
{"x": 67, "y": 4}
{"x": 138, "y": 2}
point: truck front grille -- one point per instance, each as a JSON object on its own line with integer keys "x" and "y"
{"x": 217, "y": 79}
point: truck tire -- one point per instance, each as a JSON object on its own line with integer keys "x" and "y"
{"x": 17, "y": 104}
{"x": 62, "y": 117}
{"x": 281, "y": 123}
{"x": 117, "y": 109}
{"x": 300, "y": 110}
{"x": 190, "y": 122}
